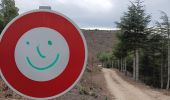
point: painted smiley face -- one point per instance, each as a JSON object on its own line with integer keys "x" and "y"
{"x": 43, "y": 57}
{"x": 41, "y": 54}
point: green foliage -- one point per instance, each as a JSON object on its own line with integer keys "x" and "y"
{"x": 7, "y": 12}
{"x": 151, "y": 58}
{"x": 133, "y": 34}
{"x": 102, "y": 57}
{"x": 129, "y": 62}
{"x": 105, "y": 58}
{"x": 151, "y": 42}
{"x": 135, "y": 19}
{"x": 1, "y": 23}
{"x": 120, "y": 51}
{"x": 133, "y": 25}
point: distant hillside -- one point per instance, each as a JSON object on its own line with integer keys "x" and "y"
{"x": 99, "y": 41}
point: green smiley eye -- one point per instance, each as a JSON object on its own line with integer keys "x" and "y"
{"x": 27, "y": 42}
{"x": 50, "y": 42}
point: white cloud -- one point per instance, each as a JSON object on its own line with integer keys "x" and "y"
{"x": 94, "y": 5}
{"x": 90, "y": 5}
{"x": 93, "y": 13}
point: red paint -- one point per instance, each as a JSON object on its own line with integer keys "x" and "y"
{"x": 48, "y": 88}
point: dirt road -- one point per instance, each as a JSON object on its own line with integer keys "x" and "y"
{"x": 123, "y": 90}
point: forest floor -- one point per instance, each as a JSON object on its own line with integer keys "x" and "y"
{"x": 124, "y": 88}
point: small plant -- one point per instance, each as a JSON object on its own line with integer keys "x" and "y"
{"x": 83, "y": 90}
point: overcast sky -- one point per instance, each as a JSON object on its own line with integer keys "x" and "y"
{"x": 94, "y": 13}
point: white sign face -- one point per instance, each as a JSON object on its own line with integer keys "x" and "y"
{"x": 42, "y": 54}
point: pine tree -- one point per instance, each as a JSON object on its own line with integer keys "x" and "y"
{"x": 7, "y": 12}
{"x": 166, "y": 25}
{"x": 159, "y": 30}
{"x": 133, "y": 24}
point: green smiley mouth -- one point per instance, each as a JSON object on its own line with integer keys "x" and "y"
{"x": 43, "y": 68}
{"x": 42, "y": 56}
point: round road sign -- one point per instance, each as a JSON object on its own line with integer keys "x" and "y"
{"x": 43, "y": 54}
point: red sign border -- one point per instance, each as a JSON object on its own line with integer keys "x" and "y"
{"x": 85, "y": 51}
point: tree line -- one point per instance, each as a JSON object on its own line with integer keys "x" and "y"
{"x": 143, "y": 50}
{"x": 8, "y": 11}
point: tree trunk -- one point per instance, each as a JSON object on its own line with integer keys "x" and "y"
{"x": 137, "y": 64}
{"x": 162, "y": 75}
{"x": 162, "y": 62}
{"x": 121, "y": 65}
{"x": 112, "y": 63}
{"x": 167, "y": 87}
{"x": 134, "y": 67}
{"x": 162, "y": 65}
{"x": 125, "y": 67}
